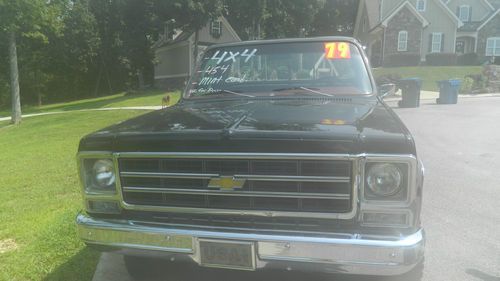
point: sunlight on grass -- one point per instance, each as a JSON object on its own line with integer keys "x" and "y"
{"x": 41, "y": 196}
{"x": 150, "y": 98}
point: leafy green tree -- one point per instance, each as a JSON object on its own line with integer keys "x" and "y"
{"x": 336, "y": 18}
{"x": 247, "y": 17}
{"x": 137, "y": 35}
{"x": 22, "y": 19}
{"x": 192, "y": 15}
{"x": 292, "y": 18}
{"x": 75, "y": 52}
{"x": 272, "y": 18}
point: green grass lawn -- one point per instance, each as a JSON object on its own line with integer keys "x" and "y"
{"x": 150, "y": 98}
{"x": 40, "y": 194}
{"x": 430, "y": 74}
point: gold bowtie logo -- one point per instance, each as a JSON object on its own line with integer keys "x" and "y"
{"x": 226, "y": 183}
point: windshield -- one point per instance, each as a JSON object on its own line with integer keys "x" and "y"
{"x": 312, "y": 68}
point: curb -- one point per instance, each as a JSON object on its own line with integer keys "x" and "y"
{"x": 397, "y": 98}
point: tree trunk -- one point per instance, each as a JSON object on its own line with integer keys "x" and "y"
{"x": 98, "y": 82}
{"x": 259, "y": 37}
{"x": 37, "y": 88}
{"x": 140, "y": 79}
{"x": 14, "y": 80}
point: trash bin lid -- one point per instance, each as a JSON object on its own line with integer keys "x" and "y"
{"x": 455, "y": 82}
{"x": 450, "y": 82}
{"x": 410, "y": 80}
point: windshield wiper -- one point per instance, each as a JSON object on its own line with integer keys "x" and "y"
{"x": 311, "y": 90}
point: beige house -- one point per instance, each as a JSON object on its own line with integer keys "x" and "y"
{"x": 412, "y": 29}
{"x": 175, "y": 56}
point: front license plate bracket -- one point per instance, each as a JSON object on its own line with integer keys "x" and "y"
{"x": 227, "y": 254}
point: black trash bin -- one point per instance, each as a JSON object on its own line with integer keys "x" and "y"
{"x": 448, "y": 91}
{"x": 410, "y": 88}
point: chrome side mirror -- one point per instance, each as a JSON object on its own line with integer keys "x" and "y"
{"x": 386, "y": 89}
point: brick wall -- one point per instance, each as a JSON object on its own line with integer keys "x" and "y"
{"x": 491, "y": 29}
{"x": 404, "y": 20}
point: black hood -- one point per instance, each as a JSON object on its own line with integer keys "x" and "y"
{"x": 333, "y": 125}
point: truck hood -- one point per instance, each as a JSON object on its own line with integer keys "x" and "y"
{"x": 307, "y": 124}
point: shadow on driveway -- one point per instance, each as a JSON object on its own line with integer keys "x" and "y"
{"x": 112, "y": 268}
{"x": 481, "y": 275}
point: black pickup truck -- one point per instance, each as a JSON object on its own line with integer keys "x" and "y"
{"x": 281, "y": 154}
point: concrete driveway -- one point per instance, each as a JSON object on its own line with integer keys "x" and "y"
{"x": 460, "y": 147}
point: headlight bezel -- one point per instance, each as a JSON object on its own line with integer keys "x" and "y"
{"x": 408, "y": 166}
{"x": 86, "y": 162}
{"x": 406, "y": 203}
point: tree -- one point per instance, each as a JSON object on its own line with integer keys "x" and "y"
{"x": 137, "y": 35}
{"x": 264, "y": 19}
{"x": 20, "y": 18}
{"x": 247, "y": 17}
{"x": 336, "y": 18}
{"x": 68, "y": 63}
{"x": 193, "y": 15}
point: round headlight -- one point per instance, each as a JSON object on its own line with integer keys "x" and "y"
{"x": 384, "y": 179}
{"x": 103, "y": 173}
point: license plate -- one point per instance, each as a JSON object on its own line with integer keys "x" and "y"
{"x": 227, "y": 254}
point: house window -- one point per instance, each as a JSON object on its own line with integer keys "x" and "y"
{"x": 216, "y": 28}
{"x": 493, "y": 47}
{"x": 464, "y": 13}
{"x": 437, "y": 41}
{"x": 421, "y": 5}
{"x": 403, "y": 41}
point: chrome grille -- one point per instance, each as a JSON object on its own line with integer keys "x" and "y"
{"x": 304, "y": 185}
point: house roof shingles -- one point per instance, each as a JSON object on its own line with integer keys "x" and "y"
{"x": 470, "y": 26}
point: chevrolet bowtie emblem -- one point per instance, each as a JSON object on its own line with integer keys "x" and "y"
{"x": 226, "y": 183}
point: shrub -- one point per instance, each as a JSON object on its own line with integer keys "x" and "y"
{"x": 391, "y": 78}
{"x": 479, "y": 81}
{"x": 441, "y": 59}
{"x": 468, "y": 59}
{"x": 402, "y": 59}
{"x": 467, "y": 84}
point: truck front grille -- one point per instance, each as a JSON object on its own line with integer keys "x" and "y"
{"x": 304, "y": 185}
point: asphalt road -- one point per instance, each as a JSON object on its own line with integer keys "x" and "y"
{"x": 460, "y": 148}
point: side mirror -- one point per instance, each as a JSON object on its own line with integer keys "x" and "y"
{"x": 386, "y": 89}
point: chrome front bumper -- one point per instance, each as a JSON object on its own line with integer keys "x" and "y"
{"x": 343, "y": 253}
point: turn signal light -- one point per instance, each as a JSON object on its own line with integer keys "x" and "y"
{"x": 385, "y": 219}
{"x": 103, "y": 207}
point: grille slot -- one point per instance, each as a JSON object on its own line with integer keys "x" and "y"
{"x": 283, "y": 185}
{"x": 235, "y": 223}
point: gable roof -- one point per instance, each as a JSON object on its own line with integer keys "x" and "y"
{"x": 373, "y": 12}
{"x": 396, "y": 10}
{"x": 470, "y": 26}
{"x": 185, "y": 35}
{"x": 372, "y": 8}
{"x": 494, "y": 3}
{"x": 492, "y": 7}
{"x": 449, "y": 13}
{"x": 489, "y": 19}
{"x": 229, "y": 27}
